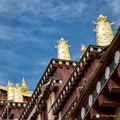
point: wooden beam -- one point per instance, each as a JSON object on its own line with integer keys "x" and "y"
{"x": 68, "y": 92}
{"x": 79, "y": 73}
{"x": 108, "y": 100}
{"x": 92, "y": 54}
{"x": 74, "y": 83}
{"x": 88, "y": 58}
{"x": 55, "y": 87}
{"x": 82, "y": 69}
{"x": 113, "y": 86}
{"x": 118, "y": 71}
{"x": 71, "y": 87}
{"x": 55, "y": 112}
{"x": 86, "y": 64}
{"x": 94, "y": 112}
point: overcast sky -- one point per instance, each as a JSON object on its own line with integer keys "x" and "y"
{"x": 29, "y": 30}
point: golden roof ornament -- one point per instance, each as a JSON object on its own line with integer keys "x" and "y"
{"x": 17, "y": 85}
{"x": 62, "y": 40}
{"x": 83, "y": 48}
{"x": 10, "y": 84}
{"x": 63, "y": 49}
{"x": 16, "y": 93}
{"x": 102, "y": 18}
{"x": 18, "y": 96}
{"x": 104, "y": 33}
{"x": 10, "y": 91}
{"x": 24, "y": 87}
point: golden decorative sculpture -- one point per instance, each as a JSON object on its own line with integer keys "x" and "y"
{"x": 24, "y": 87}
{"x": 18, "y": 96}
{"x": 10, "y": 91}
{"x": 83, "y": 48}
{"x": 104, "y": 33}
{"x": 63, "y": 49}
{"x": 16, "y": 93}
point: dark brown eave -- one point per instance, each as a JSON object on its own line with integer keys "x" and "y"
{"x": 91, "y": 53}
{"x": 11, "y": 105}
{"x": 115, "y": 44}
{"x": 85, "y": 92}
{"x": 71, "y": 108}
{"x": 2, "y": 102}
{"x": 54, "y": 63}
{"x": 106, "y": 100}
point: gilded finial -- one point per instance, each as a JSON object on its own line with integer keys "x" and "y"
{"x": 63, "y": 49}
{"x": 83, "y": 48}
{"x": 24, "y": 87}
{"x": 102, "y": 18}
{"x": 61, "y": 40}
{"x": 10, "y": 91}
{"x": 104, "y": 33}
{"x": 10, "y": 84}
{"x": 18, "y": 96}
{"x": 16, "y": 93}
{"x": 17, "y": 85}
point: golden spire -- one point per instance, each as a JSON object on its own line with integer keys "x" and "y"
{"x": 17, "y": 85}
{"x": 24, "y": 87}
{"x": 104, "y": 33}
{"x": 18, "y": 96}
{"x": 10, "y": 84}
{"x": 63, "y": 49}
{"x": 10, "y": 91}
{"x": 16, "y": 93}
{"x": 83, "y": 48}
{"x": 102, "y": 18}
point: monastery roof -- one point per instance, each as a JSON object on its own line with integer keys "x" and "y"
{"x": 102, "y": 75}
{"x": 47, "y": 75}
{"x": 9, "y": 105}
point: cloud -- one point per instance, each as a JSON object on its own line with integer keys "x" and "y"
{"x": 114, "y": 8}
{"x": 29, "y": 30}
{"x": 45, "y": 62}
{"x": 28, "y": 20}
{"x": 20, "y": 34}
{"x": 112, "y": 5}
{"x": 51, "y": 9}
{"x": 64, "y": 10}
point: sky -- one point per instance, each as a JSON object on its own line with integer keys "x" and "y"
{"x": 29, "y": 30}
